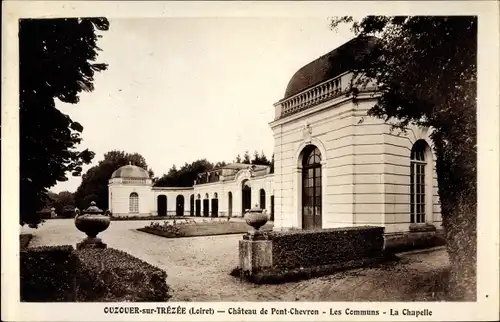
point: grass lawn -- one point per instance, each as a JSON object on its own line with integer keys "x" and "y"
{"x": 202, "y": 229}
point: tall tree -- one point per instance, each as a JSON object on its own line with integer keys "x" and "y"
{"x": 56, "y": 60}
{"x": 94, "y": 185}
{"x": 425, "y": 70}
{"x": 260, "y": 159}
{"x": 246, "y": 158}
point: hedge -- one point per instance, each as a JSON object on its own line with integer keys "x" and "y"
{"x": 47, "y": 274}
{"x": 111, "y": 275}
{"x": 200, "y": 229}
{"x": 61, "y": 274}
{"x": 304, "y": 248}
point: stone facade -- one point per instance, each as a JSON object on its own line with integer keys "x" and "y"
{"x": 334, "y": 165}
{"x": 161, "y": 201}
{"x": 365, "y": 167}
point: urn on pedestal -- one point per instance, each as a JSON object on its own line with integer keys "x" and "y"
{"x": 92, "y": 221}
{"x": 255, "y": 218}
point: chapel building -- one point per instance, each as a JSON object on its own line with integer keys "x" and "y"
{"x": 335, "y": 166}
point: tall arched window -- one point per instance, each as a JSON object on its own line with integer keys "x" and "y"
{"x": 262, "y": 199}
{"x": 133, "y": 206}
{"x": 311, "y": 188}
{"x": 418, "y": 182}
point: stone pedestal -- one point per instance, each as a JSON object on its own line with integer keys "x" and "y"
{"x": 94, "y": 243}
{"x": 255, "y": 255}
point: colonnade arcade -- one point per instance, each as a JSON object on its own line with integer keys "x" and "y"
{"x": 208, "y": 205}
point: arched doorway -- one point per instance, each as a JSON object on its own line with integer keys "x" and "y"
{"x": 215, "y": 205}
{"x": 246, "y": 197}
{"x": 262, "y": 195}
{"x": 161, "y": 204}
{"x": 198, "y": 206}
{"x": 229, "y": 204}
{"x": 179, "y": 205}
{"x": 311, "y": 188}
{"x": 206, "y": 202}
{"x": 191, "y": 205}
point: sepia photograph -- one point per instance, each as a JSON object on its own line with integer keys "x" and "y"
{"x": 294, "y": 158}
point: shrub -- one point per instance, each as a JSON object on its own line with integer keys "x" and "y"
{"x": 190, "y": 228}
{"x": 68, "y": 211}
{"x": 47, "y": 274}
{"x": 114, "y": 276}
{"x": 304, "y": 248}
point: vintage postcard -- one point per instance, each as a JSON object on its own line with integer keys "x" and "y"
{"x": 250, "y": 161}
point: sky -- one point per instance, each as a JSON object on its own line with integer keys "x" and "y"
{"x": 181, "y": 89}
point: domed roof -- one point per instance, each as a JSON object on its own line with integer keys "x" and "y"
{"x": 130, "y": 172}
{"x": 342, "y": 59}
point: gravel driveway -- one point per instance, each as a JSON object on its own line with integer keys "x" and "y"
{"x": 198, "y": 268}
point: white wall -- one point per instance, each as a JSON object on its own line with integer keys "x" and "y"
{"x": 234, "y": 186}
{"x": 171, "y": 194}
{"x": 366, "y": 168}
{"x": 119, "y": 199}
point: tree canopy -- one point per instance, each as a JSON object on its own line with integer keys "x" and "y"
{"x": 57, "y": 60}
{"x": 187, "y": 174}
{"x": 425, "y": 70}
{"x": 94, "y": 185}
{"x": 63, "y": 203}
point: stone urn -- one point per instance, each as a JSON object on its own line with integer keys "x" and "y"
{"x": 255, "y": 218}
{"x": 92, "y": 221}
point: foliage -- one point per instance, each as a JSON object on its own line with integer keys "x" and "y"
{"x": 94, "y": 185}
{"x": 246, "y": 158}
{"x": 258, "y": 158}
{"x": 185, "y": 176}
{"x": 272, "y": 164}
{"x": 47, "y": 274}
{"x": 191, "y": 228}
{"x": 58, "y": 273}
{"x": 220, "y": 164}
{"x": 425, "y": 71}
{"x": 310, "y": 248}
{"x": 63, "y": 202}
{"x": 188, "y": 173}
{"x": 56, "y": 61}
{"x": 111, "y": 275}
